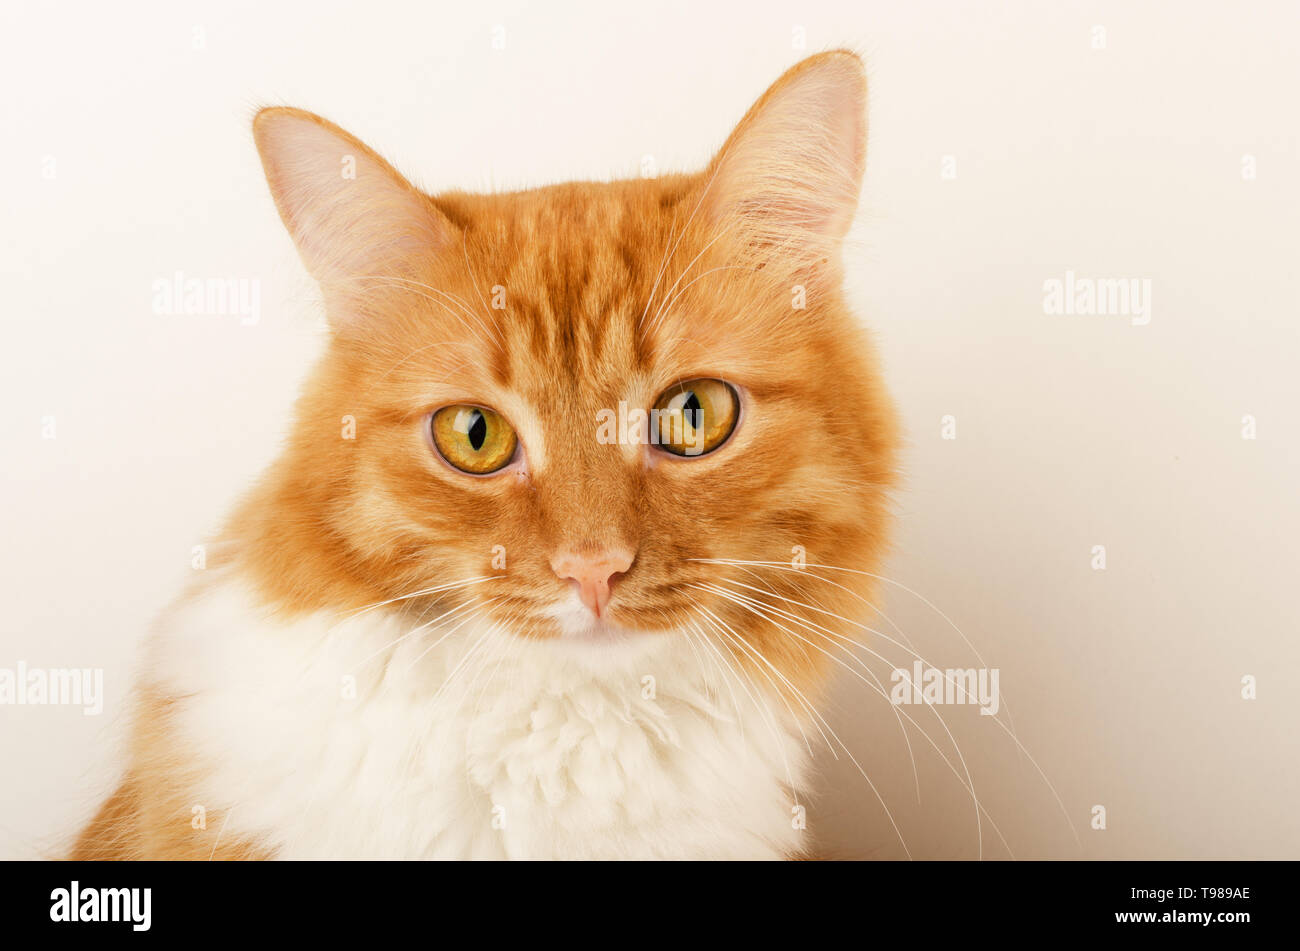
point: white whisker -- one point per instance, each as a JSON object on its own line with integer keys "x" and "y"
{"x": 902, "y": 841}
{"x": 968, "y": 783}
{"x": 1008, "y": 728}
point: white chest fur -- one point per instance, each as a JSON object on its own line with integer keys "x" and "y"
{"x": 331, "y": 739}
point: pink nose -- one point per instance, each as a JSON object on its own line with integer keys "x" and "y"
{"x": 594, "y": 574}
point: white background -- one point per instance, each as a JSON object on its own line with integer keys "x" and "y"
{"x": 1124, "y": 684}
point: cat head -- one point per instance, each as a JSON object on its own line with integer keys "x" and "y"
{"x": 587, "y": 409}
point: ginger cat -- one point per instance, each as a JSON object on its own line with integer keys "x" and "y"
{"x": 534, "y": 576}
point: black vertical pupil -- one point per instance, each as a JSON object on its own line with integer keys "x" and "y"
{"x": 693, "y": 410}
{"x": 477, "y": 431}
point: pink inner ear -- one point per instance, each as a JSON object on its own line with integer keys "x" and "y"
{"x": 349, "y": 212}
{"x": 791, "y": 171}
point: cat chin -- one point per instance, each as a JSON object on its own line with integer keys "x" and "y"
{"x": 586, "y": 628}
{"x": 603, "y": 650}
{"x": 583, "y": 630}
{"x": 597, "y": 631}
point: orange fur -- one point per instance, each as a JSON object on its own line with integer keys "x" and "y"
{"x": 152, "y": 814}
{"x": 610, "y": 289}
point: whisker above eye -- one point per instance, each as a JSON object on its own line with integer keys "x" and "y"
{"x": 669, "y": 251}
{"x": 382, "y": 280}
{"x": 668, "y": 295}
{"x": 496, "y": 324}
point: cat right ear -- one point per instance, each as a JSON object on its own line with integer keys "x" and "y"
{"x": 786, "y": 181}
{"x": 353, "y": 217}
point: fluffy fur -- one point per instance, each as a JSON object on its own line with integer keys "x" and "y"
{"x": 381, "y": 661}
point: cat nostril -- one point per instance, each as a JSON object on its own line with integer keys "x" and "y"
{"x": 593, "y": 574}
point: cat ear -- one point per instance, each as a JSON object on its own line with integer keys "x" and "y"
{"x": 353, "y": 217}
{"x": 787, "y": 180}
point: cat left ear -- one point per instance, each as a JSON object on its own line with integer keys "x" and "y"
{"x": 353, "y": 217}
{"x": 787, "y": 180}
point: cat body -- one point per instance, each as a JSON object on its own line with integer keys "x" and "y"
{"x": 461, "y": 617}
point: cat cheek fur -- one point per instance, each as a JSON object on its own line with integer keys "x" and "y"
{"x": 316, "y": 710}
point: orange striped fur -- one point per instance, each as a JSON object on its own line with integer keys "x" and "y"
{"x": 609, "y": 291}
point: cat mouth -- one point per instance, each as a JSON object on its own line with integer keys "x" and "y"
{"x": 586, "y": 627}
{"x": 577, "y": 624}
{"x": 598, "y": 631}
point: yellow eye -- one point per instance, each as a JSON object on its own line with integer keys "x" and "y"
{"x": 694, "y": 417}
{"x": 474, "y": 439}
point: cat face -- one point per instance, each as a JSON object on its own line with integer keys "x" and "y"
{"x": 584, "y": 397}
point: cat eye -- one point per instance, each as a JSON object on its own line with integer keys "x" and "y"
{"x": 473, "y": 439}
{"x": 695, "y": 417}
